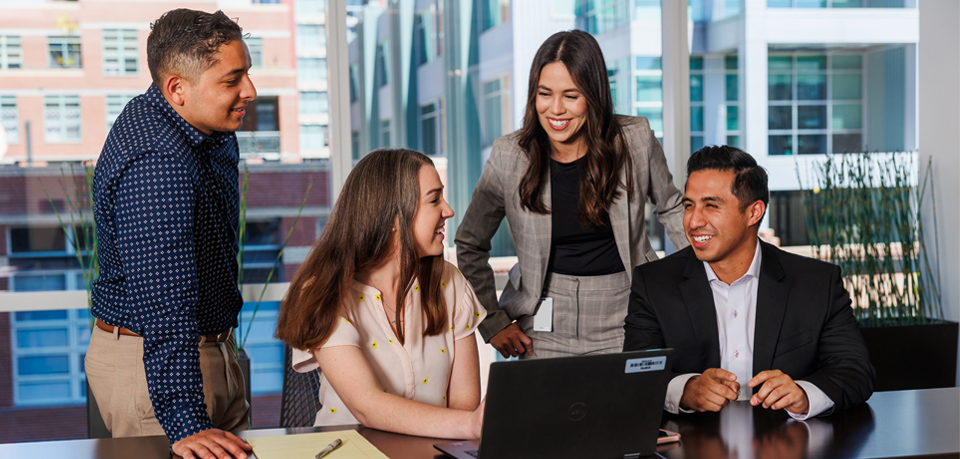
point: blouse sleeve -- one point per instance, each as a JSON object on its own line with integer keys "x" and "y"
{"x": 467, "y": 312}
{"x": 344, "y": 335}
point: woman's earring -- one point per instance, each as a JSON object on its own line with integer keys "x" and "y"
{"x": 393, "y": 229}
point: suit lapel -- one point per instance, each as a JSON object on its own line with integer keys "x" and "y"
{"x": 620, "y": 221}
{"x": 771, "y": 306}
{"x": 698, "y": 298}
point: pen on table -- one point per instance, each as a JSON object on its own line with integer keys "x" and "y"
{"x": 332, "y": 446}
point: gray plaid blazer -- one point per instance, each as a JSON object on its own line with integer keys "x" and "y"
{"x": 496, "y": 197}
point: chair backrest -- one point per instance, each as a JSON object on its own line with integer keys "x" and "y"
{"x": 299, "y": 402}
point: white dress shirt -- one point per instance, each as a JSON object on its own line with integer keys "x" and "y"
{"x": 736, "y": 306}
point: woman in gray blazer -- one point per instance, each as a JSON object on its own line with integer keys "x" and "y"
{"x": 572, "y": 184}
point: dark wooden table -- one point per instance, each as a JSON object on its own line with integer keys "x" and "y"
{"x": 923, "y": 423}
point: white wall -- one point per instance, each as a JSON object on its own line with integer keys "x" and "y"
{"x": 939, "y": 129}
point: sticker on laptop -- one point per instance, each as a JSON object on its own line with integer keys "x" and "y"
{"x": 646, "y": 364}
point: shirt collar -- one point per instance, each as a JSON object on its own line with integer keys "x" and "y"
{"x": 194, "y": 136}
{"x": 753, "y": 271}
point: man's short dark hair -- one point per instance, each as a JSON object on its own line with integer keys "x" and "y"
{"x": 750, "y": 183}
{"x": 187, "y": 42}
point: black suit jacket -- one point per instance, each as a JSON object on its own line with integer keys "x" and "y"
{"x": 804, "y": 324}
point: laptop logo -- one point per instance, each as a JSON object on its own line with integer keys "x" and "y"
{"x": 577, "y": 411}
{"x": 646, "y": 364}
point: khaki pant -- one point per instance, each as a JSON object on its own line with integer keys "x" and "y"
{"x": 115, "y": 373}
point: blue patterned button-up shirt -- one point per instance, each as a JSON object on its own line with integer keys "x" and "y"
{"x": 166, "y": 205}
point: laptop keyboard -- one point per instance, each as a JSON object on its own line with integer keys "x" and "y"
{"x": 474, "y": 453}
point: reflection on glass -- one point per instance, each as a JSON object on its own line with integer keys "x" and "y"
{"x": 696, "y": 88}
{"x": 781, "y": 145}
{"x": 53, "y": 337}
{"x": 733, "y": 118}
{"x": 780, "y": 87}
{"x": 696, "y": 118}
{"x": 46, "y": 364}
{"x": 846, "y": 86}
{"x": 811, "y": 144}
{"x": 649, "y": 89}
{"x": 811, "y": 87}
{"x": 780, "y": 117}
{"x": 812, "y": 117}
{"x": 847, "y": 116}
{"x": 732, "y": 89}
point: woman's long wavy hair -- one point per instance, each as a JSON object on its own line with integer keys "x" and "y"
{"x": 607, "y": 152}
{"x": 382, "y": 188}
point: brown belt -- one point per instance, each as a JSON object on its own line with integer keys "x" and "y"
{"x": 219, "y": 338}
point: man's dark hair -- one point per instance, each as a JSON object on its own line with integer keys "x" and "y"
{"x": 750, "y": 183}
{"x": 187, "y": 42}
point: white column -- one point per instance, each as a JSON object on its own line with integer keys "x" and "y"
{"x": 939, "y": 132}
{"x": 676, "y": 88}
{"x": 338, "y": 76}
{"x": 752, "y": 56}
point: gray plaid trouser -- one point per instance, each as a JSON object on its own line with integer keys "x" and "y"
{"x": 588, "y": 315}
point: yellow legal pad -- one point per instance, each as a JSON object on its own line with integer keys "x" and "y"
{"x": 307, "y": 445}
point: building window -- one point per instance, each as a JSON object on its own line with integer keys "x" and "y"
{"x": 495, "y": 12}
{"x": 308, "y": 6}
{"x": 9, "y": 118}
{"x": 312, "y": 70}
{"x": 64, "y": 52}
{"x": 120, "y": 51}
{"x": 815, "y": 103}
{"x": 47, "y": 353}
{"x": 429, "y": 30}
{"x": 648, "y": 91}
{"x": 311, "y": 37}
{"x": 314, "y": 103}
{"x": 381, "y": 63}
{"x": 11, "y": 55}
{"x": 384, "y": 133}
{"x": 429, "y": 131}
{"x": 313, "y": 136}
{"x": 495, "y": 106}
{"x": 597, "y": 17}
{"x": 255, "y": 47}
{"x": 61, "y": 118}
{"x": 355, "y": 145}
{"x": 115, "y": 104}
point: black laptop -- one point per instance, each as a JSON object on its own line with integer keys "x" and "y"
{"x": 597, "y": 406}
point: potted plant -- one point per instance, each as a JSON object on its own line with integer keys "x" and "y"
{"x": 242, "y": 333}
{"x": 863, "y": 214}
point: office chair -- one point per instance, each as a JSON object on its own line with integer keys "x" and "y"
{"x": 299, "y": 401}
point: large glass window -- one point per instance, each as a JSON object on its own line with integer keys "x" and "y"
{"x": 115, "y": 104}
{"x": 11, "y": 55}
{"x": 430, "y": 128}
{"x": 311, "y": 37}
{"x": 47, "y": 353}
{"x": 255, "y": 47}
{"x": 429, "y": 30}
{"x": 314, "y": 103}
{"x": 64, "y": 52}
{"x": 120, "y": 51}
{"x": 61, "y": 118}
{"x": 815, "y": 103}
{"x": 9, "y": 118}
{"x": 312, "y": 70}
{"x": 494, "y": 100}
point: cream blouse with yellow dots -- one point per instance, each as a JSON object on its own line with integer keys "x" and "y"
{"x": 417, "y": 370}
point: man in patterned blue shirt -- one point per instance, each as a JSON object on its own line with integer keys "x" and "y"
{"x": 162, "y": 359}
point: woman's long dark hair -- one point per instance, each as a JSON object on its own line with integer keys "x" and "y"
{"x": 607, "y": 152}
{"x": 383, "y": 187}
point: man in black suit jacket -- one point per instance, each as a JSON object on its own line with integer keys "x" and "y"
{"x": 734, "y": 307}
